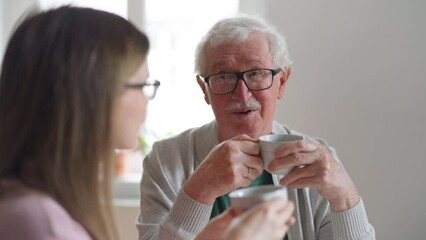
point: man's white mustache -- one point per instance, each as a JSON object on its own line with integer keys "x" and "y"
{"x": 251, "y": 104}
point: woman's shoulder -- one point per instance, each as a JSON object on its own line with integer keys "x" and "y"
{"x": 29, "y": 214}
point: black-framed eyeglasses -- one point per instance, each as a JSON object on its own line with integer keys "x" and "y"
{"x": 148, "y": 89}
{"x": 255, "y": 80}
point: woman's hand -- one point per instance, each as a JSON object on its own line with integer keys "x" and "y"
{"x": 216, "y": 228}
{"x": 268, "y": 220}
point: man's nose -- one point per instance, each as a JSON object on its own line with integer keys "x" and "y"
{"x": 241, "y": 92}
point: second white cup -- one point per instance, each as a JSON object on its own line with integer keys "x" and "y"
{"x": 251, "y": 196}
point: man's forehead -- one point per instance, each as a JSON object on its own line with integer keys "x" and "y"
{"x": 223, "y": 63}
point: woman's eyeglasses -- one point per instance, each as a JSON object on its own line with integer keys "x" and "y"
{"x": 148, "y": 89}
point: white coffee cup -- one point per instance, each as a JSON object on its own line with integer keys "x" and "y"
{"x": 270, "y": 143}
{"x": 248, "y": 197}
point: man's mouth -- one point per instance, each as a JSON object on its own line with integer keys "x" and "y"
{"x": 244, "y": 112}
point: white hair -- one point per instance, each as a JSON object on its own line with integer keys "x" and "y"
{"x": 237, "y": 30}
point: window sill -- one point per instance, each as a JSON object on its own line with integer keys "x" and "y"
{"x": 126, "y": 190}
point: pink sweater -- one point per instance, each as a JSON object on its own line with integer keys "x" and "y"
{"x": 26, "y": 214}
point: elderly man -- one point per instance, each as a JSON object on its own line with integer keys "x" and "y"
{"x": 242, "y": 67}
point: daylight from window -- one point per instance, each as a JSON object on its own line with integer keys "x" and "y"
{"x": 118, "y": 7}
{"x": 174, "y": 29}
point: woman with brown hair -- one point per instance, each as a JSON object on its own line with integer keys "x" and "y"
{"x": 67, "y": 99}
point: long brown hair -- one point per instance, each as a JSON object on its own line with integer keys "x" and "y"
{"x": 62, "y": 71}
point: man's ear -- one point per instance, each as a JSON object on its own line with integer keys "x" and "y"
{"x": 203, "y": 87}
{"x": 283, "y": 80}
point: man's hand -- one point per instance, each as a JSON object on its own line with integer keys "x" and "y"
{"x": 231, "y": 164}
{"x": 315, "y": 167}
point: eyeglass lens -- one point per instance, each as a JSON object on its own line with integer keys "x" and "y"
{"x": 255, "y": 80}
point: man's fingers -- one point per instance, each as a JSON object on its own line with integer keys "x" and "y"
{"x": 295, "y": 147}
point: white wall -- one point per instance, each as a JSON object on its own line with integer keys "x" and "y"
{"x": 1, "y": 32}
{"x": 10, "y": 12}
{"x": 359, "y": 81}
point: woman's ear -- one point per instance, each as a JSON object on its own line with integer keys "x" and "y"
{"x": 203, "y": 87}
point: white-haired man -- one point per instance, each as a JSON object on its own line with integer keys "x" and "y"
{"x": 242, "y": 67}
